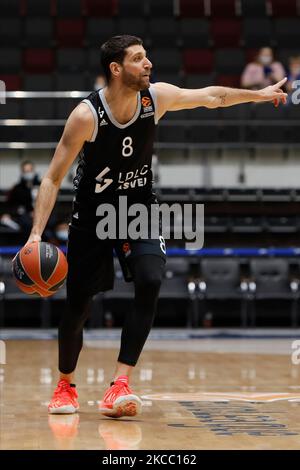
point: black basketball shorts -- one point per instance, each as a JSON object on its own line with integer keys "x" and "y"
{"x": 90, "y": 260}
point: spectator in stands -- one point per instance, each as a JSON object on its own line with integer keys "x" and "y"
{"x": 262, "y": 72}
{"x": 21, "y": 197}
{"x": 60, "y": 233}
{"x": 293, "y": 73}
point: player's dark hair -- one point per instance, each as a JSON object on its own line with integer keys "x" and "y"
{"x": 113, "y": 50}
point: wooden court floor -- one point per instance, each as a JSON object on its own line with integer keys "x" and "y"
{"x": 219, "y": 397}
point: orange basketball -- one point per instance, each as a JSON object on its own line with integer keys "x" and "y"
{"x": 40, "y": 268}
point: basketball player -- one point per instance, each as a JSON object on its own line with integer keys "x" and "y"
{"x": 112, "y": 130}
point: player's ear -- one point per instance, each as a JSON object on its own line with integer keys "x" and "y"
{"x": 115, "y": 68}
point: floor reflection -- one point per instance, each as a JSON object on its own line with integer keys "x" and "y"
{"x": 64, "y": 429}
{"x": 120, "y": 435}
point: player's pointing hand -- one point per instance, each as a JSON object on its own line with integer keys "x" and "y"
{"x": 274, "y": 93}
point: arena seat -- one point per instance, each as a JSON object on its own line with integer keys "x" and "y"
{"x": 229, "y": 61}
{"x": 11, "y": 8}
{"x": 221, "y": 279}
{"x": 71, "y": 60}
{"x": 10, "y": 32}
{"x": 286, "y": 31}
{"x": 247, "y": 224}
{"x": 100, "y": 7}
{"x": 282, "y": 224}
{"x": 216, "y": 224}
{"x": 70, "y": 32}
{"x": 253, "y": 8}
{"x": 132, "y": 8}
{"x": 198, "y": 61}
{"x": 271, "y": 280}
{"x": 10, "y": 60}
{"x": 283, "y": 55}
{"x": 99, "y": 29}
{"x": 166, "y": 59}
{"x": 70, "y": 82}
{"x": 171, "y": 134}
{"x": 194, "y": 32}
{"x": 39, "y": 109}
{"x": 131, "y": 25}
{"x": 38, "y": 82}
{"x": 228, "y": 80}
{"x": 12, "y": 110}
{"x": 12, "y": 82}
{"x": 192, "y": 8}
{"x": 257, "y": 32}
{"x": 223, "y": 8}
{"x": 173, "y": 78}
{"x": 158, "y": 9}
{"x": 69, "y": 8}
{"x": 199, "y": 81}
{"x": 64, "y": 107}
{"x": 38, "y": 32}
{"x": 226, "y": 32}
{"x": 38, "y": 8}
{"x": 284, "y": 8}
{"x": 38, "y": 60}
{"x": 162, "y": 31}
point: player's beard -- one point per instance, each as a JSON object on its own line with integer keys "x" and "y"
{"x": 135, "y": 83}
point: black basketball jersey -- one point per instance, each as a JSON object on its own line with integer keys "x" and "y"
{"x": 117, "y": 159}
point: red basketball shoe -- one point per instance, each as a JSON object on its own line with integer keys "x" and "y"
{"x": 64, "y": 399}
{"x": 119, "y": 400}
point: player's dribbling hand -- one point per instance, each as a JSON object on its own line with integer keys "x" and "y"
{"x": 33, "y": 238}
{"x": 274, "y": 93}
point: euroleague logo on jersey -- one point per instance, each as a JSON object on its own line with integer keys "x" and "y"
{"x": 146, "y": 101}
{"x": 126, "y": 249}
{"x": 147, "y": 104}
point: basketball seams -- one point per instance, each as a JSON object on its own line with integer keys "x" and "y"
{"x": 39, "y": 258}
{"x": 33, "y": 290}
{"x": 56, "y": 265}
{"x": 58, "y": 277}
{"x": 35, "y": 276}
{"x": 32, "y": 274}
{"x": 19, "y": 260}
{"x": 40, "y": 284}
{"x": 48, "y": 263}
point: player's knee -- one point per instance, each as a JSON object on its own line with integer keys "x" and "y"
{"x": 77, "y": 313}
{"x": 148, "y": 274}
{"x": 149, "y": 280}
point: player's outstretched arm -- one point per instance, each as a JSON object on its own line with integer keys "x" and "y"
{"x": 79, "y": 128}
{"x": 173, "y": 98}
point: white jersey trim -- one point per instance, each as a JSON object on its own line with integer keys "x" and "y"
{"x": 153, "y": 95}
{"x": 94, "y": 135}
{"x": 109, "y": 113}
